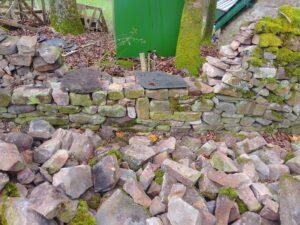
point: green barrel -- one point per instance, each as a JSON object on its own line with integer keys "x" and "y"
{"x": 146, "y": 25}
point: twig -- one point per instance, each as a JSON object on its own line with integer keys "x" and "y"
{"x": 288, "y": 19}
{"x": 81, "y": 47}
{"x": 15, "y": 24}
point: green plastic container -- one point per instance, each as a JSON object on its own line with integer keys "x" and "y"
{"x": 146, "y": 25}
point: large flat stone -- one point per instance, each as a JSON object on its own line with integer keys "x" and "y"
{"x": 119, "y": 209}
{"x": 180, "y": 172}
{"x": 137, "y": 155}
{"x": 18, "y": 211}
{"x": 83, "y": 81}
{"x": 159, "y": 80}
{"x": 74, "y": 180}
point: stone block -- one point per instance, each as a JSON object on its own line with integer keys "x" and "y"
{"x": 115, "y": 92}
{"x": 162, "y": 94}
{"x": 159, "y": 106}
{"x": 80, "y": 99}
{"x": 134, "y": 91}
{"x": 5, "y": 97}
{"x": 27, "y": 45}
{"x": 187, "y": 116}
{"x": 9, "y": 45}
{"x": 143, "y": 108}
{"x": 99, "y": 97}
{"x": 115, "y": 111}
{"x": 20, "y": 60}
{"x": 31, "y": 95}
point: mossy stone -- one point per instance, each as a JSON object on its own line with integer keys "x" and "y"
{"x": 5, "y": 97}
{"x": 134, "y": 92}
{"x": 48, "y": 108}
{"x": 269, "y": 40}
{"x": 159, "y": 116}
{"x": 115, "y": 95}
{"x": 69, "y": 109}
{"x": 187, "y": 116}
{"x": 99, "y": 97}
{"x": 80, "y": 99}
{"x": 82, "y": 118}
{"x": 143, "y": 108}
{"x": 115, "y": 111}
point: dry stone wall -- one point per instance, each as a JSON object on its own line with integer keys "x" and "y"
{"x": 237, "y": 91}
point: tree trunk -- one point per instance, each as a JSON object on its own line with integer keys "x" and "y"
{"x": 188, "y": 46}
{"x": 64, "y": 17}
{"x": 196, "y": 28}
{"x": 209, "y": 18}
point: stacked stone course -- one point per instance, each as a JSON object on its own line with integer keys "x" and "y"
{"x": 232, "y": 94}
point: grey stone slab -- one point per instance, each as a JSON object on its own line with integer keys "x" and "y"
{"x": 160, "y": 80}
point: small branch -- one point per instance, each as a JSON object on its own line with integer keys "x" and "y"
{"x": 13, "y": 23}
{"x": 81, "y": 47}
{"x": 288, "y": 19}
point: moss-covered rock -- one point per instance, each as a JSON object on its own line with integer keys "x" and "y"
{"x": 99, "y": 97}
{"x": 269, "y": 40}
{"x": 187, "y": 116}
{"x": 5, "y": 97}
{"x": 82, "y": 118}
{"x": 80, "y": 99}
{"x": 115, "y": 111}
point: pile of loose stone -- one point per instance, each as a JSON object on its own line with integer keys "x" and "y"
{"x": 261, "y": 88}
{"x": 24, "y": 61}
{"x": 235, "y": 179}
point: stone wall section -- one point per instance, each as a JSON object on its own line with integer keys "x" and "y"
{"x": 230, "y": 95}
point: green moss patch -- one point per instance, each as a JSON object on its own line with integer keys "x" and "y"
{"x": 83, "y": 216}
{"x": 232, "y": 194}
{"x": 286, "y": 56}
{"x": 275, "y": 99}
{"x": 229, "y": 192}
{"x": 115, "y": 153}
{"x": 10, "y": 190}
{"x": 159, "y": 174}
{"x": 269, "y": 40}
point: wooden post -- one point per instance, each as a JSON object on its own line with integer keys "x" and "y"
{"x": 143, "y": 62}
{"x": 44, "y": 11}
